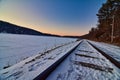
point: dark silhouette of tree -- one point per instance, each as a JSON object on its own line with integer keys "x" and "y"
{"x": 108, "y": 26}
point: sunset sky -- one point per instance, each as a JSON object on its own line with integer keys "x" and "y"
{"x": 62, "y": 17}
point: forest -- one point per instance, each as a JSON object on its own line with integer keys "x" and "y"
{"x": 108, "y": 26}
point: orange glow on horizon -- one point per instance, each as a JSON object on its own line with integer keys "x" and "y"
{"x": 45, "y": 29}
{"x": 40, "y": 24}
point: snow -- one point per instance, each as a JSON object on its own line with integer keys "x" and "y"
{"x": 29, "y": 56}
{"x": 37, "y": 61}
{"x": 14, "y": 48}
{"x": 111, "y": 50}
{"x": 85, "y": 63}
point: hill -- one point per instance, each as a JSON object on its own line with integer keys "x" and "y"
{"x": 6, "y": 27}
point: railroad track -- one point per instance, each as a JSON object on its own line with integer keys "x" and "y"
{"x": 47, "y": 72}
{"x": 83, "y": 62}
{"x": 115, "y": 62}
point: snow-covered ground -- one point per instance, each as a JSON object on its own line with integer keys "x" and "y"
{"x": 14, "y": 48}
{"x": 111, "y": 50}
{"x": 41, "y": 52}
{"x": 85, "y": 63}
{"x": 29, "y": 56}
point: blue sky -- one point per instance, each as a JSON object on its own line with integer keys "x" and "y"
{"x": 63, "y": 17}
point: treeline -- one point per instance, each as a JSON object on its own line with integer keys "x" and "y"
{"x": 6, "y": 27}
{"x": 108, "y": 27}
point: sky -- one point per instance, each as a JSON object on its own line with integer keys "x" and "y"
{"x": 61, "y": 17}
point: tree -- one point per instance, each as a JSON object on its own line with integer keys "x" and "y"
{"x": 108, "y": 23}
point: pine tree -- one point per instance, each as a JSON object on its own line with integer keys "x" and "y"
{"x": 108, "y": 27}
